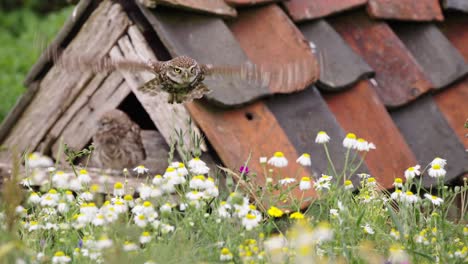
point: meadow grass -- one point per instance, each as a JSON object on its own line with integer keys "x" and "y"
{"x": 23, "y": 35}
{"x": 181, "y": 216}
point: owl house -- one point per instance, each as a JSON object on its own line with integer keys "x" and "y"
{"x": 395, "y": 78}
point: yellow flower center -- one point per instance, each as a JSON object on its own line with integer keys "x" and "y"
{"x": 306, "y": 155}
{"x": 170, "y": 169}
{"x": 411, "y": 168}
{"x": 146, "y": 234}
{"x": 348, "y": 183}
{"x": 83, "y": 172}
{"x": 361, "y": 140}
{"x": 305, "y": 179}
{"x": 147, "y": 204}
{"x": 409, "y": 193}
{"x": 371, "y": 179}
{"x": 118, "y": 185}
{"x": 351, "y": 136}
{"x": 436, "y": 167}
{"x": 398, "y": 180}
{"x": 128, "y": 197}
{"x": 250, "y": 216}
{"x": 53, "y": 191}
{"x": 59, "y": 254}
{"x": 225, "y": 251}
{"x": 279, "y": 154}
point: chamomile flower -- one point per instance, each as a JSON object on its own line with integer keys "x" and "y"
{"x": 119, "y": 189}
{"x": 60, "y": 258}
{"x": 181, "y": 169}
{"x": 395, "y": 234}
{"x": 250, "y": 221}
{"x": 60, "y": 180}
{"x": 34, "y": 198}
{"x": 140, "y": 169}
{"x": 158, "y": 180}
{"x": 434, "y": 199}
{"x": 194, "y": 195}
{"x": 63, "y": 207}
{"x": 322, "y": 232}
{"x": 363, "y": 176}
{"x": 278, "y": 160}
{"x": 37, "y": 160}
{"x": 334, "y": 212}
{"x": 165, "y": 228}
{"x": 99, "y": 220}
{"x": 321, "y": 185}
{"x": 371, "y": 182}
{"x": 396, "y": 195}
{"x": 197, "y": 166}
{"x": 409, "y": 197}
{"x": 398, "y": 255}
{"x": 439, "y": 161}
{"x": 165, "y": 208}
{"x": 437, "y": 171}
{"x": 144, "y": 191}
{"x": 86, "y": 196}
{"x": 130, "y": 246}
{"x": 211, "y": 192}
{"x": 305, "y": 184}
{"x": 398, "y": 183}
{"x": 104, "y": 242}
{"x": 197, "y": 182}
{"x": 322, "y": 137}
{"x": 33, "y": 225}
{"x": 349, "y": 141}
{"x": 84, "y": 177}
{"x": 145, "y": 237}
{"x": 140, "y": 220}
{"x": 348, "y": 185}
{"x": 286, "y": 181}
{"x": 304, "y": 159}
{"x": 361, "y": 145}
{"x": 75, "y": 185}
{"x": 263, "y": 160}
{"x": 225, "y": 255}
{"x": 368, "y": 229}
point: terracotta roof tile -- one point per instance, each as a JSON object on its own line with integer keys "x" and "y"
{"x": 307, "y": 9}
{"x": 440, "y": 60}
{"x": 340, "y": 65}
{"x": 429, "y": 135}
{"x": 420, "y": 10}
{"x": 218, "y": 7}
{"x": 269, "y": 38}
{"x": 249, "y": 2}
{"x": 375, "y": 126}
{"x": 399, "y": 77}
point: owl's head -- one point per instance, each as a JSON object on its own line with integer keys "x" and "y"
{"x": 113, "y": 119}
{"x": 182, "y": 70}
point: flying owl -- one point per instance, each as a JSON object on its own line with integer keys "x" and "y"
{"x": 182, "y": 77}
{"x": 118, "y": 143}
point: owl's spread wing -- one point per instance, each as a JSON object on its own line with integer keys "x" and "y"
{"x": 197, "y": 93}
{"x": 151, "y": 87}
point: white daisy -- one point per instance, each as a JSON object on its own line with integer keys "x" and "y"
{"x": 304, "y": 160}
{"x": 144, "y": 191}
{"x": 225, "y": 255}
{"x": 197, "y": 182}
{"x": 60, "y": 258}
{"x": 197, "y": 166}
{"x": 305, "y": 184}
{"x": 145, "y": 238}
{"x": 130, "y": 246}
{"x": 439, "y": 161}
{"x": 322, "y": 137}
{"x": 434, "y": 199}
{"x": 398, "y": 183}
{"x": 409, "y": 197}
{"x": 286, "y": 181}
{"x": 349, "y": 141}
{"x": 368, "y": 229}
{"x": 278, "y": 160}
{"x": 119, "y": 189}
{"x": 140, "y": 220}
{"x": 263, "y": 160}
{"x": 194, "y": 195}
{"x": 412, "y": 172}
{"x": 396, "y": 195}
{"x": 437, "y": 171}
{"x": 37, "y": 160}
{"x": 84, "y": 177}
{"x": 140, "y": 169}
{"x": 250, "y": 221}
{"x": 361, "y": 145}
{"x": 158, "y": 180}
{"x": 348, "y": 185}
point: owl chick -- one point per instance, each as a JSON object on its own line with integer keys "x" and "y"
{"x": 117, "y": 142}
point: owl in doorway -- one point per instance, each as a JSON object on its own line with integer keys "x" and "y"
{"x": 118, "y": 143}
{"x": 182, "y": 77}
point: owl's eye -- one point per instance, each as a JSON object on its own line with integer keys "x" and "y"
{"x": 176, "y": 70}
{"x": 192, "y": 71}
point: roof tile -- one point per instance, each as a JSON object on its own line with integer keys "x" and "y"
{"x": 440, "y": 60}
{"x": 399, "y": 77}
{"x": 375, "y": 126}
{"x": 420, "y": 10}
{"x": 218, "y": 7}
{"x": 455, "y": 29}
{"x": 460, "y": 5}
{"x": 270, "y": 38}
{"x": 306, "y": 9}
{"x": 340, "y": 66}
{"x": 249, "y": 2}
{"x": 429, "y": 135}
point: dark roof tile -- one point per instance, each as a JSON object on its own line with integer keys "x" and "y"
{"x": 218, "y": 7}
{"x": 307, "y": 9}
{"x": 340, "y": 66}
{"x": 208, "y": 40}
{"x": 440, "y": 60}
{"x": 429, "y": 135}
{"x": 420, "y": 10}
{"x": 455, "y": 29}
{"x": 359, "y": 110}
{"x": 278, "y": 43}
{"x": 399, "y": 78}
{"x": 460, "y": 5}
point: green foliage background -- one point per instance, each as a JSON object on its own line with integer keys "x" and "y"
{"x": 23, "y": 35}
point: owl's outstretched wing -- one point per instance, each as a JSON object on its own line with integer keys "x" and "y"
{"x": 296, "y": 74}
{"x": 197, "y": 93}
{"x": 152, "y": 87}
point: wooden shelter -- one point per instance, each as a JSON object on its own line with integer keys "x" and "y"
{"x": 393, "y": 73}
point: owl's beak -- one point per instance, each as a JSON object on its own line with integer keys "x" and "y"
{"x": 186, "y": 75}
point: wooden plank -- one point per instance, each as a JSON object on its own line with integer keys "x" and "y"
{"x": 399, "y": 77}
{"x": 440, "y": 60}
{"x": 452, "y": 104}
{"x": 429, "y": 135}
{"x": 278, "y": 39}
{"x": 392, "y": 155}
{"x": 249, "y": 2}
{"x": 454, "y": 29}
{"x": 211, "y": 42}
{"x": 251, "y": 131}
{"x": 59, "y": 88}
{"x": 167, "y": 117}
{"x": 301, "y": 10}
{"x": 73, "y": 23}
{"x": 99, "y": 97}
{"x": 421, "y": 10}
{"x": 217, "y": 7}
{"x": 459, "y": 5}
{"x": 340, "y": 66}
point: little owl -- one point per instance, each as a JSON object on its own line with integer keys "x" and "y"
{"x": 117, "y": 142}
